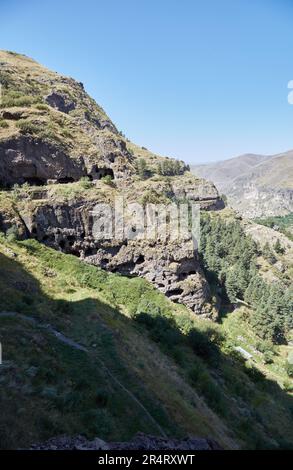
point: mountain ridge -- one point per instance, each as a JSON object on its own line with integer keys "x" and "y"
{"x": 255, "y": 185}
{"x": 110, "y": 337}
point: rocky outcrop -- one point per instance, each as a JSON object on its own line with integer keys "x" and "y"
{"x": 139, "y": 442}
{"x": 199, "y": 190}
{"x": 54, "y": 132}
{"x": 254, "y": 201}
{"x": 26, "y": 159}
{"x": 172, "y": 266}
{"x": 60, "y": 102}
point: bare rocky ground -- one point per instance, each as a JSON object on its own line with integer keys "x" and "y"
{"x": 139, "y": 442}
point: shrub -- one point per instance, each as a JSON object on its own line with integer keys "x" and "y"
{"x": 20, "y": 192}
{"x": 170, "y": 168}
{"x": 289, "y": 365}
{"x": 85, "y": 182}
{"x": 27, "y": 127}
{"x": 153, "y": 197}
{"x": 107, "y": 180}
{"x": 264, "y": 347}
{"x": 4, "y": 124}
{"x": 41, "y": 106}
{"x": 12, "y": 99}
{"x": 203, "y": 347}
{"x": 268, "y": 357}
{"x": 12, "y": 233}
{"x": 141, "y": 168}
{"x": 195, "y": 373}
{"x": 288, "y": 386}
{"x": 278, "y": 247}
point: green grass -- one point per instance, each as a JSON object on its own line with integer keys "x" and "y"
{"x": 3, "y": 124}
{"x": 163, "y": 354}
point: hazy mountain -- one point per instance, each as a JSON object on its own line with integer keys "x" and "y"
{"x": 256, "y": 185}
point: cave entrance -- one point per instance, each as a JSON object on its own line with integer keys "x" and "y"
{"x": 66, "y": 180}
{"x": 98, "y": 173}
{"x": 34, "y": 181}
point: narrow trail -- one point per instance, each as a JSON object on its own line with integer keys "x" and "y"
{"x": 73, "y": 344}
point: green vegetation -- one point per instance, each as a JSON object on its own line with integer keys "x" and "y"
{"x": 85, "y": 182}
{"x": 169, "y": 168}
{"x": 142, "y": 168}
{"x": 4, "y": 124}
{"x": 27, "y": 127}
{"x": 14, "y": 98}
{"x": 283, "y": 224}
{"x": 138, "y": 335}
{"x": 107, "y": 179}
{"x": 230, "y": 259}
{"x": 269, "y": 254}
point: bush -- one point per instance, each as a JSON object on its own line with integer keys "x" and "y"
{"x": 288, "y": 386}
{"x": 278, "y": 248}
{"x": 195, "y": 373}
{"x": 212, "y": 393}
{"x": 265, "y": 347}
{"x": 141, "y": 168}
{"x": 12, "y": 233}
{"x": 42, "y": 106}
{"x": 268, "y": 357}
{"x": 4, "y": 124}
{"x": 27, "y": 127}
{"x": 85, "y": 182}
{"x": 15, "y": 98}
{"x": 107, "y": 180}
{"x": 289, "y": 365}
{"x": 203, "y": 347}
{"x": 20, "y": 191}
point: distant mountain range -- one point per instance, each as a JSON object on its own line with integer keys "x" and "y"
{"x": 255, "y": 185}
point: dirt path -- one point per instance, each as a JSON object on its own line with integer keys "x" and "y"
{"x": 73, "y": 344}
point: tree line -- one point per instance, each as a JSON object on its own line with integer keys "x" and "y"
{"x": 230, "y": 260}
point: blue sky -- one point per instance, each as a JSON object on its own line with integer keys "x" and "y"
{"x": 197, "y": 80}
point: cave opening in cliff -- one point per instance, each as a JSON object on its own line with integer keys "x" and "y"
{"x": 62, "y": 244}
{"x": 140, "y": 259}
{"x": 65, "y": 180}
{"x": 34, "y": 181}
{"x": 184, "y": 275}
{"x": 99, "y": 173}
{"x": 172, "y": 292}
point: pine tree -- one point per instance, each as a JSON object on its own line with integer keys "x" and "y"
{"x": 141, "y": 167}
{"x": 278, "y": 247}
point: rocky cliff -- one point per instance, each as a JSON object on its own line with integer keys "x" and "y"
{"x": 66, "y": 155}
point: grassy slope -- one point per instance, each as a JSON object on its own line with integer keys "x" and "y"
{"x": 48, "y": 388}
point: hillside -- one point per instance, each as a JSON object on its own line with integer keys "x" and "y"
{"x": 81, "y": 347}
{"x": 113, "y": 335}
{"x": 255, "y": 185}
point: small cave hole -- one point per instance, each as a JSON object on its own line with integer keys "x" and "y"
{"x": 65, "y": 180}
{"x": 62, "y": 244}
{"x": 172, "y": 292}
{"x": 99, "y": 173}
{"x": 140, "y": 259}
{"x": 34, "y": 181}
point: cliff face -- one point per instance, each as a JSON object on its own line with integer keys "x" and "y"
{"x": 56, "y": 139}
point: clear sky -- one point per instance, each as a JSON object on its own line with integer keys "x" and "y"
{"x": 197, "y": 80}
